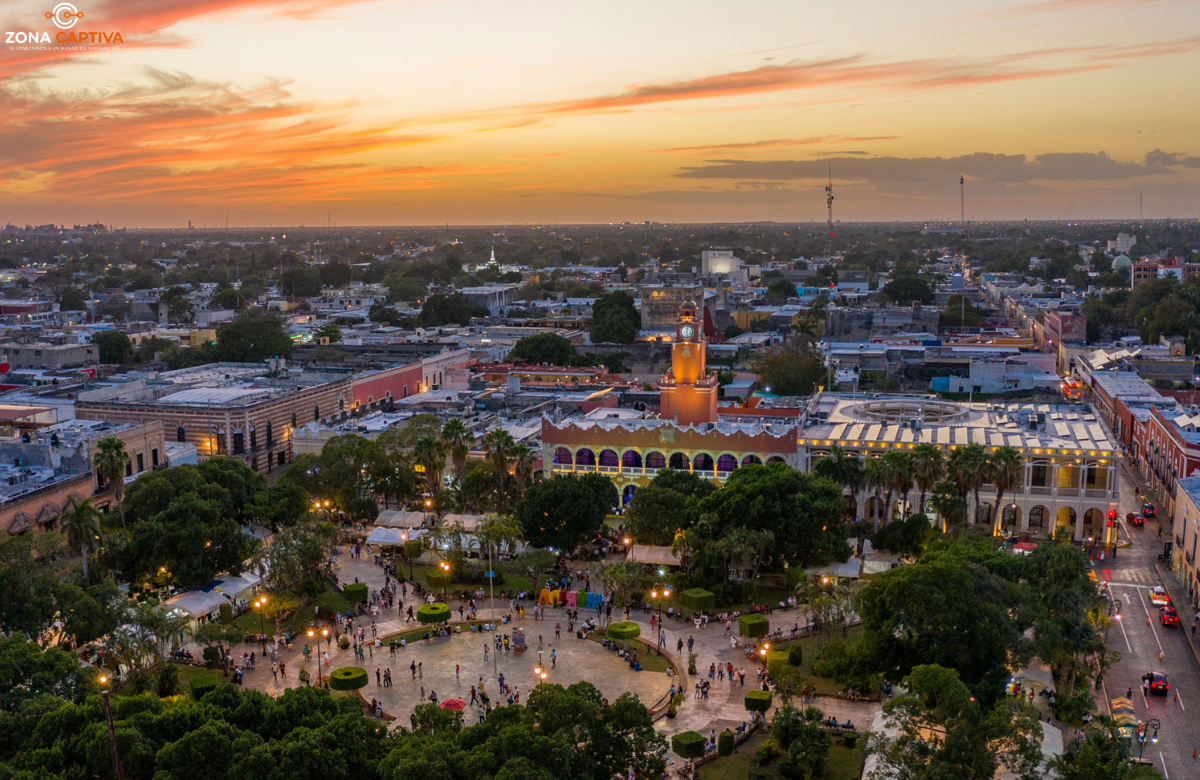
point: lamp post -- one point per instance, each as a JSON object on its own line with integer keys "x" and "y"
{"x": 259, "y": 603}
{"x": 445, "y": 566}
{"x": 112, "y": 735}
{"x": 1153, "y": 723}
{"x": 404, "y": 538}
{"x": 311, "y": 633}
{"x": 492, "y": 597}
{"x": 659, "y": 596}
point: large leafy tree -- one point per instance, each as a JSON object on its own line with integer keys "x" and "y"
{"x": 114, "y": 345}
{"x": 28, "y": 671}
{"x": 442, "y": 309}
{"x": 1100, "y": 755}
{"x": 615, "y": 319}
{"x": 803, "y": 511}
{"x": 659, "y": 510}
{"x": 252, "y": 336}
{"x": 946, "y": 731}
{"x": 907, "y": 287}
{"x": 543, "y": 349}
{"x": 562, "y": 512}
{"x": 791, "y": 370}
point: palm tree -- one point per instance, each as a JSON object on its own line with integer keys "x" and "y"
{"x": 498, "y": 445}
{"x": 110, "y": 462}
{"x": 843, "y": 468}
{"x": 877, "y": 478}
{"x": 523, "y": 457}
{"x": 458, "y": 439}
{"x": 929, "y": 466}
{"x": 430, "y": 454}
{"x": 901, "y": 468}
{"x": 968, "y": 467}
{"x": 805, "y": 332}
{"x": 1008, "y": 471}
{"x": 81, "y": 522}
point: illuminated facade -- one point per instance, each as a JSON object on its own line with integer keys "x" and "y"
{"x": 688, "y": 393}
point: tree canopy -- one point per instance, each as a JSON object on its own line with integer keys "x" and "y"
{"x": 615, "y": 319}
{"x": 907, "y": 287}
{"x": 563, "y": 511}
{"x": 253, "y": 336}
{"x": 543, "y": 349}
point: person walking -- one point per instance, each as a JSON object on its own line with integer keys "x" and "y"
{"x": 275, "y": 671}
{"x": 456, "y": 671}
{"x": 691, "y": 643}
{"x": 413, "y": 667}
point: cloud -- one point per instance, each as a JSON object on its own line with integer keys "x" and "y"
{"x": 983, "y": 167}
{"x": 781, "y": 142}
{"x": 171, "y": 133}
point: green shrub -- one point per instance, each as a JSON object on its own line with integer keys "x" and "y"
{"x": 776, "y": 660}
{"x": 850, "y": 739}
{"x": 636, "y": 597}
{"x": 766, "y": 753}
{"x": 168, "y": 681}
{"x": 697, "y": 600}
{"x": 438, "y": 579}
{"x": 624, "y": 631}
{"x": 348, "y": 678}
{"x": 689, "y": 744}
{"x": 212, "y": 657}
{"x": 202, "y": 685}
{"x": 725, "y": 743}
{"x": 413, "y": 548}
{"x": 796, "y": 575}
{"x": 795, "y": 655}
{"x": 754, "y": 625}
{"x": 226, "y": 613}
{"x": 437, "y": 612}
{"x": 343, "y": 642}
{"x": 692, "y": 662}
{"x": 355, "y": 592}
{"x": 758, "y": 701}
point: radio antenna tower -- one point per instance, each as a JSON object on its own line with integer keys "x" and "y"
{"x": 962, "y": 204}
{"x": 829, "y": 207}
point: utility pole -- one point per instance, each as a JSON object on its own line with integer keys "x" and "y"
{"x": 112, "y": 735}
{"x": 829, "y": 207}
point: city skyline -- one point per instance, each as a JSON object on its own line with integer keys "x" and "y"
{"x": 376, "y": 113}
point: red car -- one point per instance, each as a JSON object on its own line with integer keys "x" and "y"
{"x": 1135, "y": 519}
{"x": 1169, "y": 616}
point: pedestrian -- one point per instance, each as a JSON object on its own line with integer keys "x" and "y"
{"x": 282, "y": 669}
{"x": 553, "y": 658}
{"x": 421, "y": 669}
{"x": 485, "y": 651}
{"x": 378, "y": 677}
{"x": 456, "y": 671}
{"x": 691, "y": 643}
{"x": 557, "y": 630}
{"x": 413, "y": 667}
{"x": 679, "y": 645}
{"x": 275, "y": 671}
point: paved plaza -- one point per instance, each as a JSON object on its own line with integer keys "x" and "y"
{"x": 578, "y": 659}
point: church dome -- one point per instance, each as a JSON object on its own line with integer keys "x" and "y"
{"x": 689, "y": 305}
{"x": 1122, "y": 262}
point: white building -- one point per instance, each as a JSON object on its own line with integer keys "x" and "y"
{"x": 721, "y": 262}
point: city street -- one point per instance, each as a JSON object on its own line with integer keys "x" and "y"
{"x": 1146, "y": 645}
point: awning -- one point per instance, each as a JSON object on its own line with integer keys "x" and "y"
{"x": 399, "y": 518}
{"x": 1123, "y": 712}
{"x": 468, "y": 522}
{"x": 197, "y": 603}
{"x": 655, "y": 555}
{"x": 236, "y": 586}
{"x": 387, "y": 537}
{"x": 1025, "y": 546}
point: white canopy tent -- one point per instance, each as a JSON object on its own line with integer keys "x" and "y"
{"x": 399, "y": 518}
{"x": 198, "y": 603}
{"x": 652, "y": 554}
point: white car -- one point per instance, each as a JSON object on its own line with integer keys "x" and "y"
{"x": 1159, "y": 597}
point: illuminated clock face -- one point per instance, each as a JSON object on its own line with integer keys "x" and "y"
{"x": 686, "y": 331}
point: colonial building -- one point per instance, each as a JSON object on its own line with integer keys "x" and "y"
{"x": 1071, "y": 466}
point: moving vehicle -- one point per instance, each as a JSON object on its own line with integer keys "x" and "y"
{"x": 1158, "y": 683}
{"x": 1134, "y": 518}
{"x": 1159, "y": 597}
{"x": 1149, "y": 511}
{"x": 1169, "y": 616}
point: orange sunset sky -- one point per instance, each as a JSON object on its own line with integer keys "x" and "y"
{"x": 427, "y": 112}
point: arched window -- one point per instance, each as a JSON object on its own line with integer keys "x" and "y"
{"x": 608, "y": 458}
{"x": 585, "y": 457}
{"x": 702, "y": 462}
{"x": 656, "y": 460}
{"x": 631, "y": 459}
{"x": 726, "y": 463}
{"x": 562, "y": 456}
{"x": 751, "y": 460}
{"x": 316, "y": 413}
{"x": 180, "y": 434}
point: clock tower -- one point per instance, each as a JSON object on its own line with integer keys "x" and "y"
{"x": 688, "y": 393}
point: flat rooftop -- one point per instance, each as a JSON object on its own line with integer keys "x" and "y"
{"x": 850, "y": 421}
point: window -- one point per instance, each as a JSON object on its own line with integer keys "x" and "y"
{"x": 269, "y": 438}
{"x": 341, "y": 404}
{"x": 154, "y": 457}
{"x": 281, "y": 458}
{"x": 316, "y": 413}
{"x": 254, "y": 463}
{"x": 128, "y": 469}
{"x": 141, "y": 463}
{"x": 253, "y": 439}
{"x": 180, "y": 435}
{"x": 239, "y": 443}
{"x": 293, "y": 419}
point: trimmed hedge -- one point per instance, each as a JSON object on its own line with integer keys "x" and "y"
{"x": 348, "y": 678}
{"x": 697, "y": 600}
{"x": 355, "y": 592}
{"x": 689, "y": 744}
{"x": 754, "y": 625}
{"x": 758, "y": 701}
{"x": 776, "y": 660}
{"x": 202, "y": 685}
{"x": 413, "y": 548}
{"x": 226, "y": 613}
{"x": 725, "y": 743}
{"x": 437, "y": 612}
{"x": 796, "y": 575}
{"x": 624, "y": 631}
{"x": 795, "y": 655}
{"x": 438, "y": 579}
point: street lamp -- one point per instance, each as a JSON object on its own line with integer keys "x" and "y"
{"x": 445, "y": 566}
{"x": 404, "y": 538}
{"x": 310, "y": 636}
{"x": 112, "y": 735}
{"x": 259, "y": 603}
{"x": 660, "y": 596}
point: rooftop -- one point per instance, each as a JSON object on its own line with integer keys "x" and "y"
{"x": 848, "y": 420}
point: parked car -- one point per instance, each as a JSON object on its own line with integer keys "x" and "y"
{"x": 1159, "y": 597}
{"x": 1133, "y": 518}
{"x": 1158, "y": 683}
{"x": 1169, "y": 616}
